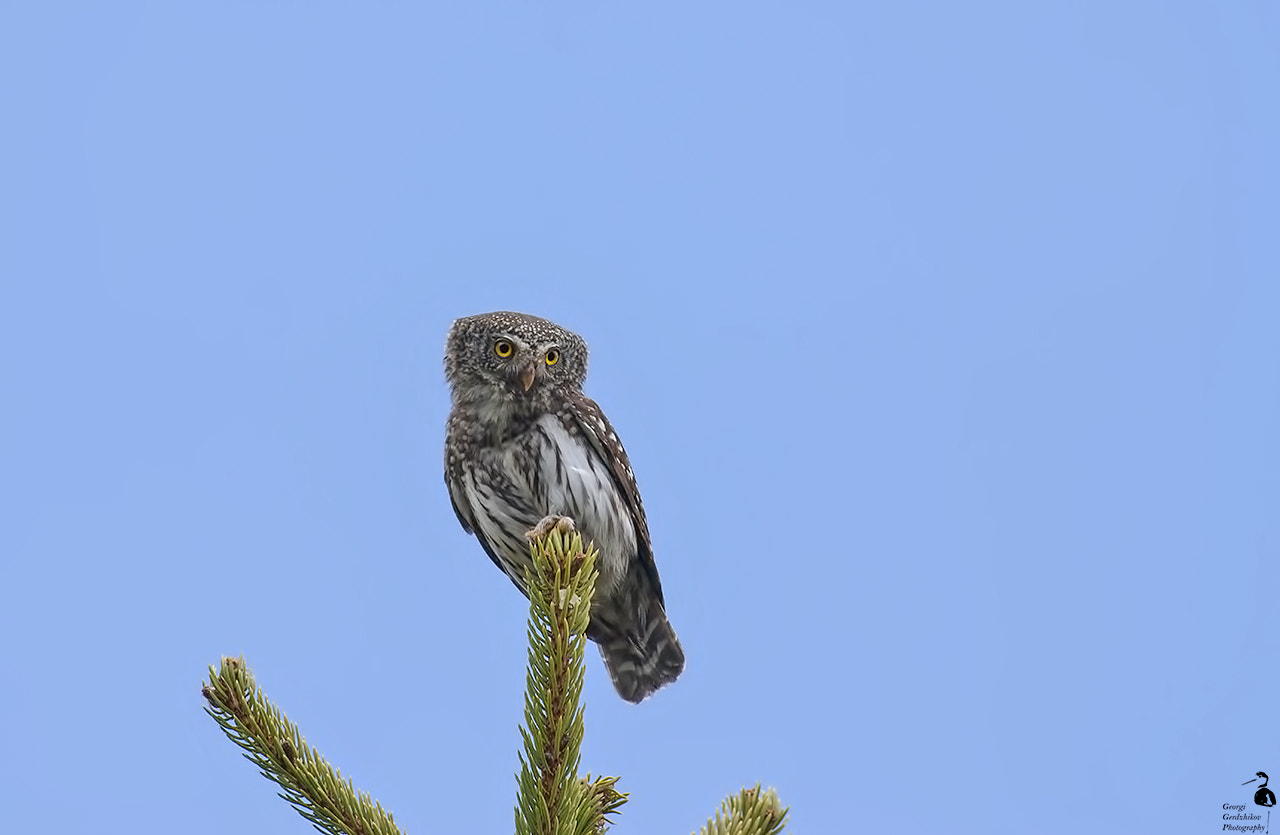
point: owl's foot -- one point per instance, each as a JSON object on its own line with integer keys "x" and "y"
{"x": 560, "y": 524}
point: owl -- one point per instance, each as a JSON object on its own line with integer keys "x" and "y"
{"x": 525, "y": 451}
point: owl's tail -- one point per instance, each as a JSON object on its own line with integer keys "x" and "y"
{"x": 638, "y": 645}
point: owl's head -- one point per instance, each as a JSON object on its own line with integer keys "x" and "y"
{"x": 525, "y": 363}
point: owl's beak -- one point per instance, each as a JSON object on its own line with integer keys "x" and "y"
{"x": 526, "y": 377}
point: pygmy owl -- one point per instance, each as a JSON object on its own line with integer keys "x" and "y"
{"x": 525, "y": 448}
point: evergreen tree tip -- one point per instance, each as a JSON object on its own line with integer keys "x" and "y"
{"x": 552, "y": 798}
{"x": 749, "y": 812}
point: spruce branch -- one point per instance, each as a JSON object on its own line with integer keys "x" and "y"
{"x": 552, "y": 799}
{"x": 272, "y": 743}
{"x": 749, "y": 812}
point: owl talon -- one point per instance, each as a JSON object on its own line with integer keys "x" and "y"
{"x": 559, "y": 524}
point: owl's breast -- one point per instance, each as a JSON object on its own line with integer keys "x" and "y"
{"x": 573, "y": 480}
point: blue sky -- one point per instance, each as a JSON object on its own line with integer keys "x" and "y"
{"x": 943, "y": 339}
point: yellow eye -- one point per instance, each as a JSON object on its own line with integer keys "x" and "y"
{"x": 503, "y": 348}
{"x": 553, "y": 356}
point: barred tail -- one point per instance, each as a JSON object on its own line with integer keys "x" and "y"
{"x": 638, "y": 645}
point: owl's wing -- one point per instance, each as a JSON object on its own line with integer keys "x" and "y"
{"x": 454, "y": 481}
{"x": 454, "y": 453}
{"x": 463, "y": 517}
{"x": 590, "y": 420}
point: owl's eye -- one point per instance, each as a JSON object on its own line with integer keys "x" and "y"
{"x": 503, "y": 348}
{"x": 553, "y": 356}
